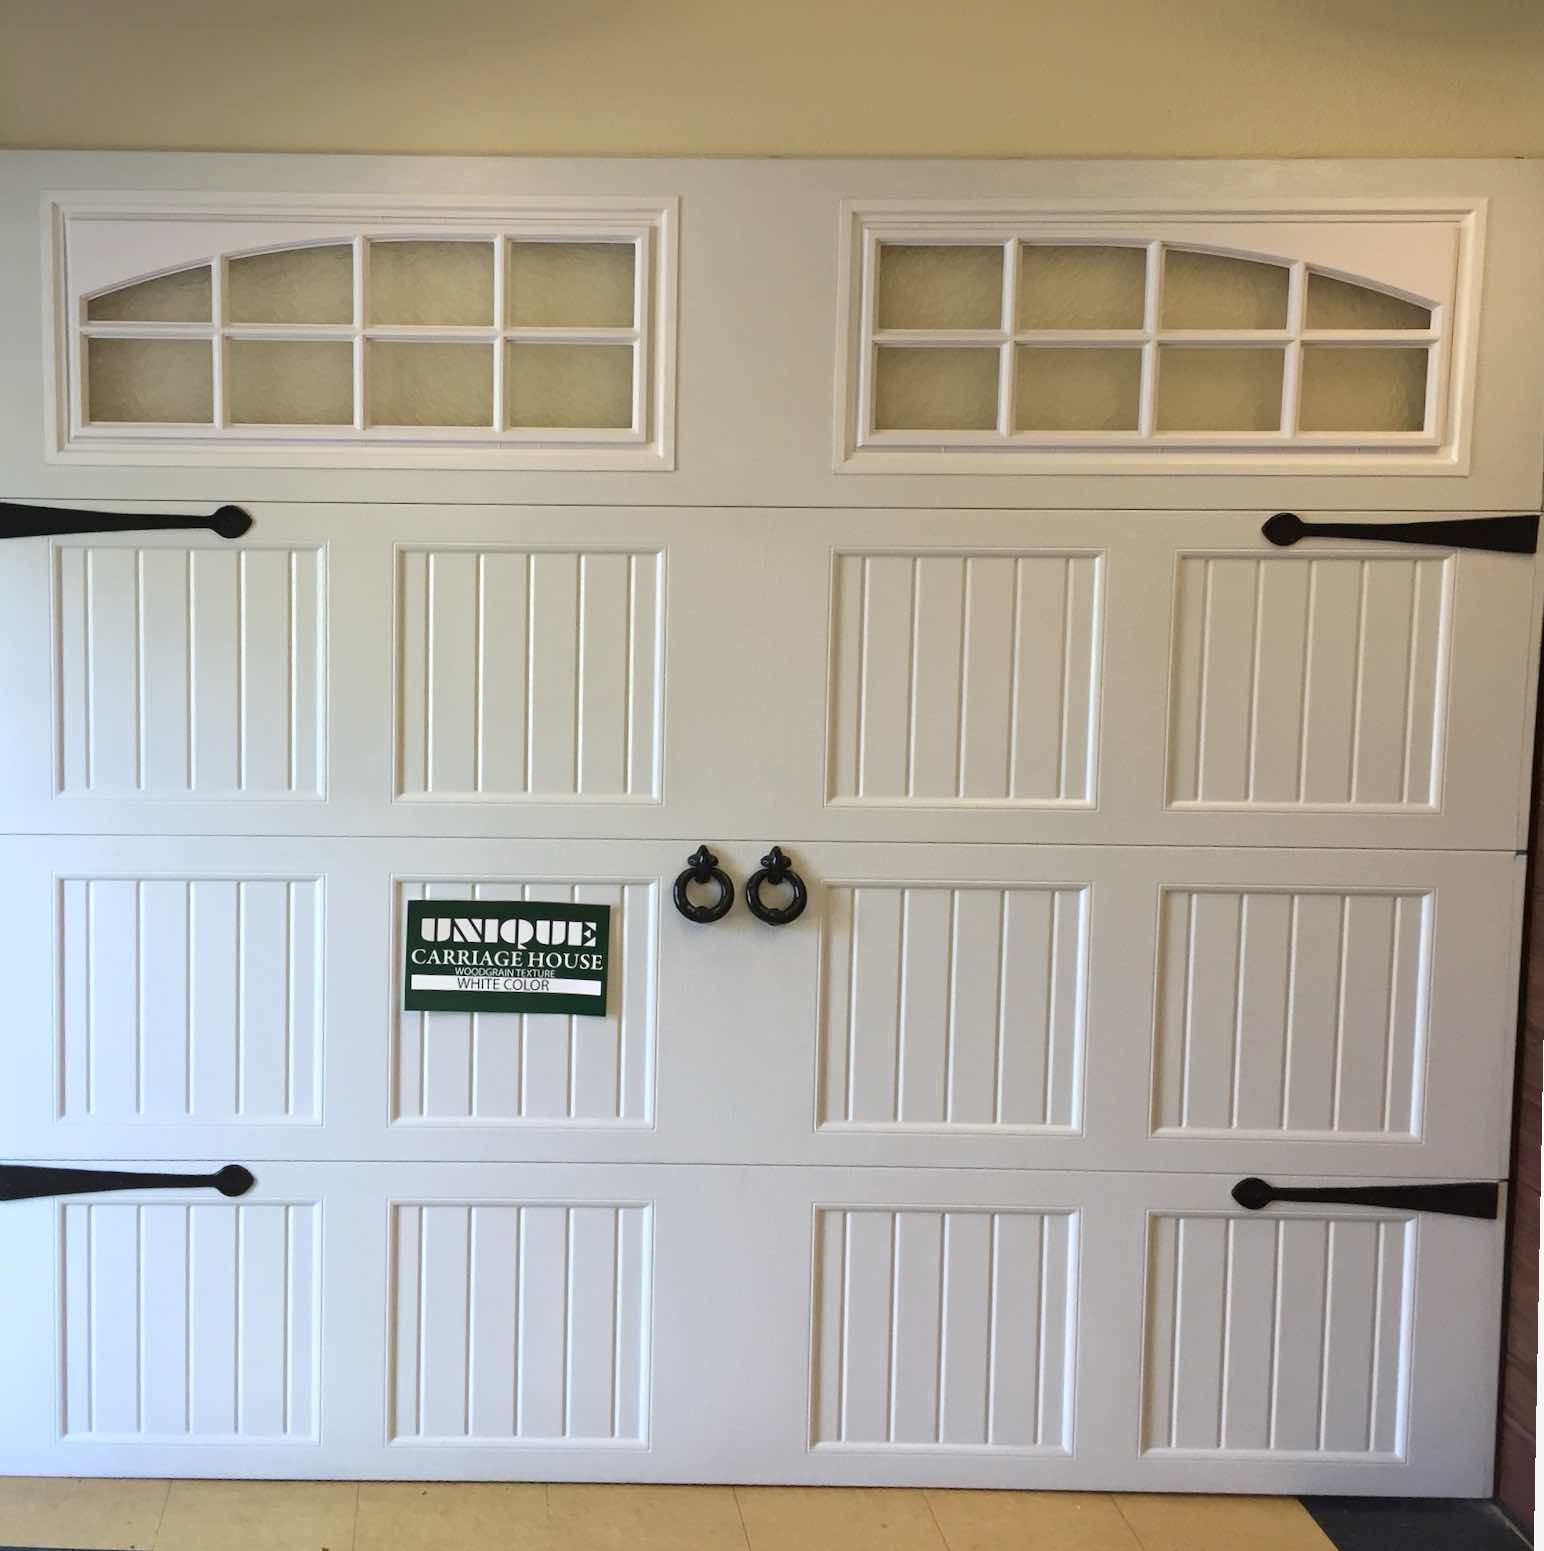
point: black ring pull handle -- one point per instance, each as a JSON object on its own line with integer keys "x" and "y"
{"x": 29, "y": 1182}
{"x": 1466, "y": 1199}
{"x": 702, "y": 867}
{"x": 1502, "y": 535}
{"x": 20, "y": 521}
{"x": 776, "y": 869}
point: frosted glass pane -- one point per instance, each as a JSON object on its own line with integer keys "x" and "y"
{"x": 294, "y": 285}
{"x": 1362, "y": 390}
{"x": 181, "y": 297}
{"x": 589, "y": 386}
{"x": 935, "y": 390}
{"x": 1081, "y": 288}
{"x": 431, "y": 282}
{"x": 413, "y": 384}
{"x": 578, "y": 284}
{"x": 284, "y": 382}
{"x": 1337, "y": 304}
{"x": 150, "y": 379}
{"x": 939, "y": 286}
{"x": 1211, "y": 291}
{"x": 1077, "y": 390}
{"x": 1218, "y": 390}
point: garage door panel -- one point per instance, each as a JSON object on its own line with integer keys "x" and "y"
{"x": 152, "y": 1332}
{"x": 1289, "y": 1335}
{"x": 949, "y": 1329}
{"x": 1313, "y": 1346}
{"x": 1172, "y": 1009}
{"x": 997, "y": 701}
{"x": 1304, "y": 1013}
{"x": 1316, "y": 1004}
{"x": 177, "y": 996}
{"x": 190, "y": 1320}
{"x": 949, "y": 1006}
{"x": 538, "y": 1068}
{"x": 517, "y": 1322}
{"x": 529, "y": 674}
{"x": 1313, "y": 681}
{"x": 192, "y": 672}
{"x": 1139, "y": 678}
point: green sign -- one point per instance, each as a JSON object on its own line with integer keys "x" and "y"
{"x": 472, "y": 955}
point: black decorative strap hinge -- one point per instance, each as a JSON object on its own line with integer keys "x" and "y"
{"x": 28, "y": 1182}
{"x": 20, "y": 521}
{"x": 1502, "y": 535}
{"x": 1467, "y": 1198}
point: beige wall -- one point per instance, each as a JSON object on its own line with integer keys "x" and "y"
{"x": 965, "y": 77}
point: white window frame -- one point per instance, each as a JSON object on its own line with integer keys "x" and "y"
{"x": 1263, "y": 232}
{"x": 235, "y": 227}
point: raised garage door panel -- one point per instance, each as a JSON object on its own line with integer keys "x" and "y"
{"x": 974, "y": 1328}
{"x": 359, "y": 670}
{"x": 1149, "y": 1008}
{"x": 246, "y": 995}
{"x": 1138, "y": 678}
{"x": 1032, "y": 1007}
{"x": 1038, "y": 676}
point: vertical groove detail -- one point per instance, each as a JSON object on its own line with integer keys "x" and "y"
{"x": 986, "y": 1032}
{"x": 1011, "y": 717}
{"x": 1282, "y": 999}
{"x": 523, "y": 1323}
{"x": 944, "y": 1328}
{"x": 1287, "y": 690}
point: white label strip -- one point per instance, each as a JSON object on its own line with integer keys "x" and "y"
{"x": 505, "y": 983}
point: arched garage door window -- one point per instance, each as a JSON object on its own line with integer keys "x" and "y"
{"x": 541, "y": 338}
{"x": 971, "y": 336}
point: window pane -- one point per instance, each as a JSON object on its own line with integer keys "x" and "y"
{"x": 1218, "y": 390}
{"x": 181, "y": 297}
{"x": 589, "y": 386}
{"x": 1337, "y": 304}
{"x": 412, "y": 384}
{"x": 293, "y": 285}
{"x": 1212, "y": 291}
{"x": 579, "y": 284}
{"x": 935, "y": 390}
{"x": 1081, "y": 288}
{"x": 940, "y": 286}
{"x": 1077, "y": 390}
{"x": 285, "y": 382}
{"x": 431, "y": 282}
{"x": 164, "y": 380}
{"x": 1362, "y": 390}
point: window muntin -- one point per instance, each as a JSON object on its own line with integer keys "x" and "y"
{"x": 1115, "y": 339}
{"x": 420, "y": 318}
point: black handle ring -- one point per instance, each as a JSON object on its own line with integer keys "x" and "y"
{"x": 702, "y": 867}
{"x": 776, "y": 868}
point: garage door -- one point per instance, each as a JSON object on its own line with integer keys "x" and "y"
{"x": 1102, "y": 1074}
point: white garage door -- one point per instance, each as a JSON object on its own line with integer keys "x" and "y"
{"x": 1143, "y": 856}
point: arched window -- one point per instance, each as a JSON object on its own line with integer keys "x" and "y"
{"x": 534, "y": 337}
{"x": 990, "y": 335}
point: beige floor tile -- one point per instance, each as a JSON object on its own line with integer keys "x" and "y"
{"x": 644, "y": 1518}
{"x": 1181, "y": 1523}
{"x": 800, "y": 1518}
{"x": 258, "y": 1516}
{"x": 429, "y": 1515}
{"x": 63, "y": 1511}
{"x": 1065, "y": 1521}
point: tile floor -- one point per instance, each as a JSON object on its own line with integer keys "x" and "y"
{"x": 414, "y": 1516}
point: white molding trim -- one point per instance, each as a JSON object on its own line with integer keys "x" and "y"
{"x": 1442, "y": 447}
{"x": 235, "y": 226}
